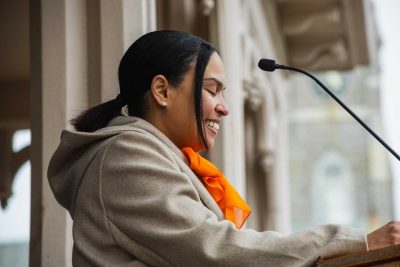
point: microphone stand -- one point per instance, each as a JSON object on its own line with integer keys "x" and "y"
{"x": 271, "y": 65}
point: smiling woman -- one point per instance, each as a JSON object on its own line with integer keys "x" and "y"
{"x": 140, "y": 194}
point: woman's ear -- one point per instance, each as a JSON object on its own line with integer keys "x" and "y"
{"x": 159, "y": 90}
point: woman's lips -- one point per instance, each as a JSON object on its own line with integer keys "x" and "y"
{"x": 213, "y": 125}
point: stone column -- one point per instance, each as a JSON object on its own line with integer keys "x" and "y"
{"x": 75, "y": 51}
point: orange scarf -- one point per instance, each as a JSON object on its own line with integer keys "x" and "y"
{"x": 232, "y": 205}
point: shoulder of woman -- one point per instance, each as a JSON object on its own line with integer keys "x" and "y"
{"x": 139, "y": 147}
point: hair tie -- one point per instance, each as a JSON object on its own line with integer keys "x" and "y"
{"x": 119, "y": 100}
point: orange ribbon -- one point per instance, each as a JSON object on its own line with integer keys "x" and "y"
{"x": 228, "y": 199}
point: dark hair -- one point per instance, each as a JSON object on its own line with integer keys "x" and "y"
{"x": 168, "y": 53}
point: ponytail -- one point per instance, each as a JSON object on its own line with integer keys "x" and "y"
{"x": 97, "y": 117}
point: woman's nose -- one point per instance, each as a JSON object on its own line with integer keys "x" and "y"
{"x": 222, "y": 108}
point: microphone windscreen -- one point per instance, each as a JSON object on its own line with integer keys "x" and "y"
{"x": 267, "y": 64}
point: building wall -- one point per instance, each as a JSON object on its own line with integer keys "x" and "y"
{"x": 337, "y": 169}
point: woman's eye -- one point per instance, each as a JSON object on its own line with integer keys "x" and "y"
{"x": 211, "y": 92}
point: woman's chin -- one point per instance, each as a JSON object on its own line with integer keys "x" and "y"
{"x": 210, "y": 143}
{"x": 199, "y": 146}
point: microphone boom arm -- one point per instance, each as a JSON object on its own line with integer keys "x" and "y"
{"x": 273, "y": 65}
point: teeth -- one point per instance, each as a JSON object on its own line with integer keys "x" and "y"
{"x": 213, "y": 125}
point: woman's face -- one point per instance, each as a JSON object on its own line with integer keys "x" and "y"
{"x": 181, "y": 118}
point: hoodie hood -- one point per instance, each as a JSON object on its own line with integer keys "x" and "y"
{"x": 75, "y": 152}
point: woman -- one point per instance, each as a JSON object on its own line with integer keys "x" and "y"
{"x": 140, "y": 195}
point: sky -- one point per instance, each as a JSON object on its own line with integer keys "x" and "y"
{"x": 15, "y": 219}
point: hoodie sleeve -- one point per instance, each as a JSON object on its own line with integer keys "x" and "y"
{"x": 154, "y": 212}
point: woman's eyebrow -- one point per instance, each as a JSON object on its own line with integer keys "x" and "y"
{"x": 215, "y": 80}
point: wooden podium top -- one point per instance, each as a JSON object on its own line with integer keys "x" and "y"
{"x": 384, "y": 257}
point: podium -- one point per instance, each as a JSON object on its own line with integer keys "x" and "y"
{"x": 383, "y": 257}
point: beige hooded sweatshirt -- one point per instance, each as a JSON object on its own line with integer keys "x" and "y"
{"x": 135, "y": 202}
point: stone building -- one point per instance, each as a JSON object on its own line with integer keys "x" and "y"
{"x": 339, "y": 173}
{"x": 60, "y": 57}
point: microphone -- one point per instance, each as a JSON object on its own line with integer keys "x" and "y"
{"x": 271, "y": 65}
{"x": 268, "y": 65}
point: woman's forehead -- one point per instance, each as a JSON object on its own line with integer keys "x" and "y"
{"x": 215, "y": 70}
